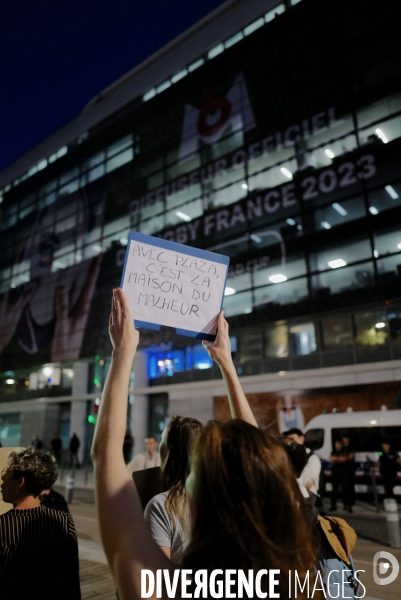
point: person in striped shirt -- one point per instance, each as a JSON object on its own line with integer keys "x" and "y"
{"x": 38, "y": 545}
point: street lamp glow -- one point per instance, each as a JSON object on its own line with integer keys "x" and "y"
{"x": 380, "y": 325}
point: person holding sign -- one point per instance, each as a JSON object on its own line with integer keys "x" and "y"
{"x": 244, "y": 502}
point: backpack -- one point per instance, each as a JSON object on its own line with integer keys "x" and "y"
{"x": 336, "y": 541}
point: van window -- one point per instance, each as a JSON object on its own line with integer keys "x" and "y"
{"x": 314, "y": 438}
{"x": 369, "y": 439}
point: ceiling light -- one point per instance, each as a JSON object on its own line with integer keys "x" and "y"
{"x": 279, "y": 278}
{"x": 326, "y": 225}
{"x": 229, "y": 291}
{"x": 183, "y": 216}
{"x": 339, "y": 209}
{"x": 391, "y": 192}
{"x": 381, "y": 135}
{"x": 291, "y": 222}
{"x": 47, "y": 371}
{"x": 10, "y": 381}
{"x": 373, "y": 210}
{"x": 337, "y": 263}
{"x": 329, "y": 153}
{"x": 244, "y": 186}
{"x": 380, "y": 325}
{"x": 286, "y": 172}
{"x": 255, "y": 238}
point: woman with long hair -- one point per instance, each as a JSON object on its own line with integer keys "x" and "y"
{"x": 167, "y": 513}
{"x": 246, "y": 511}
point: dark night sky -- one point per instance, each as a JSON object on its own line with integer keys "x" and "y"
{"x": 57, "y": 55}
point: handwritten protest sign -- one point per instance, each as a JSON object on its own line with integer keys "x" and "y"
{"x": 174, "y": 285}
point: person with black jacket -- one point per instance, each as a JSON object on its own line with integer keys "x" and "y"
{"x": 388, "y": 464}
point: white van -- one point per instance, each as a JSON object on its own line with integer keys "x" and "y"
{"x": 366, "y": 430}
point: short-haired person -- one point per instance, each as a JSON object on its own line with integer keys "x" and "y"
{"x": 148, "y": 459}
{"x": 38, "y": 545}
{"x": 246, "y": 510}
{"x": 311, "y": 472}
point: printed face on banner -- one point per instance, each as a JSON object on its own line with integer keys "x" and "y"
{"x": 166, "y": 286}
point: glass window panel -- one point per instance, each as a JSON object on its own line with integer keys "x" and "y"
{"x": 282, "y": 293}
{"x": 69, "y": 188}
{"x": 230, "y": 194}
{"x": 388, "y": 242}
{"x": 236, "y": 247}
{"x": 181, "y": 197}
{"x": 93, "y": 174}
{"x": 269, "y": 16}
{"x": 336, "y": 333}
{"x": 386, "y": 198}
{"x": 379, "y": 110}
{"x": 394, "y": 323}
{"x": 340, "y": 280}
{"x": 328, "y": 128}
{"x": 302, "y": 339}
{"x": 119, "y": 145}
{"x": 119, "y": 160}
{"x": 276, "y": 342}
{"x": 215, "y": 51}
{"x": 347, "y": 253}
{"x": 152, "y": 225}
{"x": 94, "y": 160}
{"x": 289, "y": 269}
{"x": 335, "y": 214}
{"x": 239, "y": 282}
{"x": 382, "y": 132}
{"x": 73, "y": 174}
{"x": 237, "y": 304}
{"x": 185, "y": 213}
{"x": 369, "y": 330}
{"x": 254, "y": 26}
{"x": 389, "y": 271}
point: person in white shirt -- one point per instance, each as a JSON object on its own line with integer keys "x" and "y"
{"x": 311, "y": 472}
{"x": 148, "y": 459}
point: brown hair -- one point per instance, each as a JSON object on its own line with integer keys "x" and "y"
{"x": 249, "y": 511}
{"x": 180, "y": 434}
{"x": 38, "y": 468}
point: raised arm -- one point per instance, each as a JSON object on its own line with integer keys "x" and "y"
{"x": 126, "y": 539}
{"x": 220, "y": 352}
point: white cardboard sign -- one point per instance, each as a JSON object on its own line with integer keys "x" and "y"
{"x": 174, "y": 285}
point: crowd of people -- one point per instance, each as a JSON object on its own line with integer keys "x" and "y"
{"x": 233, "y": 497}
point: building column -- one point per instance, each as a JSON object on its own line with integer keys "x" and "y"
{"x": 78, "y": 407}
{"x": 140, "y": 404}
